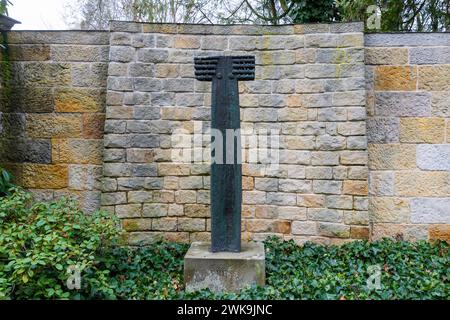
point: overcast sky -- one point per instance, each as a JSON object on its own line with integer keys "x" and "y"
{"x": 38, "y": 14}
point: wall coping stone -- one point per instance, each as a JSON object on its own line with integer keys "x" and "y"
{"x": 236, "y": 29}
{"x": 424, "y": 39}
{"x": 81, "y": 37}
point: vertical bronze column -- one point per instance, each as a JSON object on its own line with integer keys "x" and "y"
{"x": 226, "y": 166}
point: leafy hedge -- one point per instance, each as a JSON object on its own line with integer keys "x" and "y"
{"x": 39, "y": 242}
{"x": 408, "y": 271}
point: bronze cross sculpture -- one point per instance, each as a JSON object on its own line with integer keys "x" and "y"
{"x": 226, "y": 166}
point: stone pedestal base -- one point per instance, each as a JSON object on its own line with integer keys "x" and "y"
{"x": 224, "y": 271}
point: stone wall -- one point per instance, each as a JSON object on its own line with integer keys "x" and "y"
{"x": 408, "y": 77}
{"x": 311, "y": 85}
{"x": 52, "y": 113}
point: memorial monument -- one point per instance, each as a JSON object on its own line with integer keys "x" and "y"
{"x": 225, "y": 264}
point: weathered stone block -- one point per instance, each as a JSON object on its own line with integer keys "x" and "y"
{"x": 330, "y": 143}
{"x": 164, "y": 224}
{"x": 191, "y": 225}
{"x": 224, "y": 272}
{"x": 439, "y": 232}
{"x": 84, "y": 177}
{"x": 422, "y": 183}
{"x": 434, "y": 78}
{"x": 152, "y": 55}
{"x": 113, "y": 198}
{"x": 141, "y": 69}
{"x": 358, "y": 173}
{"x": 381, "y": 183}
{"x": 354, "y": 158}
{"x": 357, "y": 143}
{"x": 405, "y": 232}
{"x": 422, "y": 130}
{"x": 304, "y": 228}
{"x": 214, "y": 43}
{"x": 281, "y": 199}
{"x": 396, "y": 78}
{"x": 129, "y": 211}
{"x": 93, "y": 125}
{"x": 327, "y": 186}
{"x": 131, "y": 225}
{"x": 355, "y": 187}
{"x": 92, "y": 75}
{"x": 433, "y": 157}
{"x": 430, "y": 210}
{"x": 266, "y": 184}
{"x": 175, "y": 210}
{"x": 324, "y": 158}
{"x": 293, "y": 185}
{"x": 154, "y": 210}
{"x": 403, "y": 104}
{"x": 333, "y": 230}
{"x": 319, "y": 173}
{"x": 21, "y": 150}
{"x": 386, "y": 56}
{"x": 79, "y": 53}
{"x": 185, "y": 196}
{"x": 328, "y": 215}
{"x": 197, "y": 211}
{"x": 81, "y": 151}
{"x": 357, "y": 128}
{"x": 339, "y": 202}
{"x": 122, "y": 54}
{"x": 186, "y": 42}
{"x": 362, "y": 233}
{"x": 53, "y": 126}
{"x": 356, "y": 217}
{"x": 120, "y": 39}
{"x": 268, "y": 226}
{"x": 392, "y": 156}
{"x": 389, "y": 210}
{"x": 332, "y": 114}
{"x": 440, "y": 104}
{"x": 143, "y": 40}
{"x": 383, "y": 130}
{"x": 40, "y": 176}
{"x": 33, "y": 52}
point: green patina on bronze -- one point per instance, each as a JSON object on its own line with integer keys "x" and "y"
{"x": 226, "y": 166}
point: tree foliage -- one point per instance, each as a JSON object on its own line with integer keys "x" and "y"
{"x": 396, "y": 15}
{"x": 311, "y": 11}
{"x": 96, "y": 14}
{"x": 4, "y": 6}
{"x": 401, "y": 15}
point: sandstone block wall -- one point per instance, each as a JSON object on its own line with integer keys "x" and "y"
{"x": 363, "y": 123}
{"x": 309, "y": 85}
{"x": 408, "y": 82}
{"x": 52, "y": 112}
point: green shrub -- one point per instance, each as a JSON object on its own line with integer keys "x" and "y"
{"x": 39, "y": 242}
{"x": 150, "y": 273}
{"x": 408, "y": 271}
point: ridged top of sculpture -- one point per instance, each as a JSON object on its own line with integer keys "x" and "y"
{"x": 243, "y": 67}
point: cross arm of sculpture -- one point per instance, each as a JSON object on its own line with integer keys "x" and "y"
{"x": 226, "y": 165}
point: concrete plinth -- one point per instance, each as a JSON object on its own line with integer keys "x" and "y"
{"x": 224, "y": 271}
